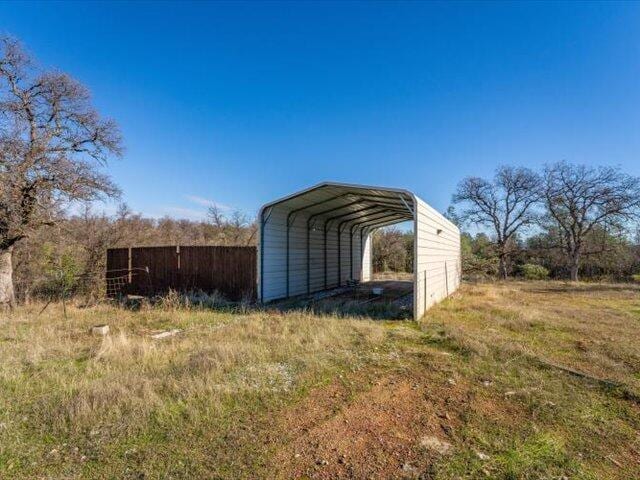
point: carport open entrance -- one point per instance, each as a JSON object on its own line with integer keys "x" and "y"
{"x": 319, "y": 239}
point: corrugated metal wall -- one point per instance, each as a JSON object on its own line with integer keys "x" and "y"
{"x": 275, "y": 256}
{"x": 437, "y": 268}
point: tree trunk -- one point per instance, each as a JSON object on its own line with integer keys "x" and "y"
{"x": 7, "y": 296}
{"x": 502, "y": 270}
{"x": 575, "y": 264}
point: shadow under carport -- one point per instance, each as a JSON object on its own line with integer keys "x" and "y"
{"x": 378, "y": 299}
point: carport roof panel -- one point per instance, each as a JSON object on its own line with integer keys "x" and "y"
{"x": 361, "y": 203}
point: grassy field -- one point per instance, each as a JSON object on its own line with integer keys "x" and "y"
{"x": 506, "y": 381}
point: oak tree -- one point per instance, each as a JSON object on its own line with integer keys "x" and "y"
{"x": 504, "y": 205}
{"x": 53, "y": 147}
{"x": 580, "y": 199}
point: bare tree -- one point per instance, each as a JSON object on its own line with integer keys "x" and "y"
{"x": 52, "y": 145}
{"x": 505, "y": 205}
{"x": 243, "y": 230}
{"x": 215, "y": 216}
{"x": 236, "y": 229}
{"x": 579, "y": 198}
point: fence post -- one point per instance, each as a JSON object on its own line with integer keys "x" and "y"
{"x": 178, "y": 273}
{"x": 129, "y": 267}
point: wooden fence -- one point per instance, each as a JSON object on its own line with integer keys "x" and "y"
{"x": 154, "y": 270}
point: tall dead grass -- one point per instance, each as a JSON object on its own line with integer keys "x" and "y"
{"x": 64, "y": 379}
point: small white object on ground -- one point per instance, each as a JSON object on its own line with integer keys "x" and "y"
{"x": 481, "y": 456}
{"x": 100, "y": 329}
{"x": 408, "y": 468}
{"x": 435, "y": 444}
{"x": 165, "y": 334}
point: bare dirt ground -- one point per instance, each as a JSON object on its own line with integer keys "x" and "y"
{"x": 394, "y": 430}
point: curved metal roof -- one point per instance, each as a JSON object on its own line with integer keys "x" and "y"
{"x": 364, "y": 205}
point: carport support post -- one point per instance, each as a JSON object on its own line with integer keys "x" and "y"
{"x": 339, "y": 256}
{"x": 287, "y": 275}
{"x": 340, "y": 230}
{"x": 361, "y": 254}
{"x": 308, "y": 260}
{"x": 291, "y": 217}
{"x": 263, "y": 222}
{"x": 262, "y": 256}
{"x": 325, "y": 254}
{"x": 351, "y": 250}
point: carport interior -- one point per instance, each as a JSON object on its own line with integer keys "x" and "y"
{"x": 319, "y": 240}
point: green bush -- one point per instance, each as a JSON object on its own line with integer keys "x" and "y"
{"x": 60, "y": 271}
{"x": 531, "y": 271}
{"x": 636, "y": 277}
{"x": 475, "y": 266}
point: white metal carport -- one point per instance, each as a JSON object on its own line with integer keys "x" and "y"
{"x": 320, "y": 238}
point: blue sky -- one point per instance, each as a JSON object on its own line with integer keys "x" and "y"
{"x": 240, "y": 103}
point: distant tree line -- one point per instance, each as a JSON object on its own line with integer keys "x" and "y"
{"x": 569, "y": 219}
{"x": 71, "y": 254}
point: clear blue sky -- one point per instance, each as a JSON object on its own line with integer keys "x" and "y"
{"x": 240, "y": 103}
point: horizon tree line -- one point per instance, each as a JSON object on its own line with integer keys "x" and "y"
{"x": 567, "y": 202}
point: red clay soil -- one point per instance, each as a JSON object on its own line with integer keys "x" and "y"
{"x": 396, "y": 426}
{"x": 395, "y": 429}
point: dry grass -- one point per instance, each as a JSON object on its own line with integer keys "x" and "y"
{"x": 555, "y": 374}
{"x": 225, "y": 398}
{"x": 74, "y": 404}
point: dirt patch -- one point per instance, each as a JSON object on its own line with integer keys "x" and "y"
{"x": 395, "y": 427}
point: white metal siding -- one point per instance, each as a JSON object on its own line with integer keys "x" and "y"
{"x": 437, "y": 268}
{"x": 274, "y": 283}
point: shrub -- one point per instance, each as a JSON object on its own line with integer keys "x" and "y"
{"x": 60, "y": 272}
{"x": 477, "y": 267}
{"x": 532, "y": 271}
{"x": 636, "y": 277}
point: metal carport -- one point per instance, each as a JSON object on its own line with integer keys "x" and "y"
{"x": 320, "y": 238}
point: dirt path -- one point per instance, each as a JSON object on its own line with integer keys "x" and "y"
{"x": 394, "y": 427}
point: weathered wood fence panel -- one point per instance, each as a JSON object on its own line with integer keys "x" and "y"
{"x": 162, "y": 263}
{"x": 117, "y": 259}
{"x": 154, "y": 270}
